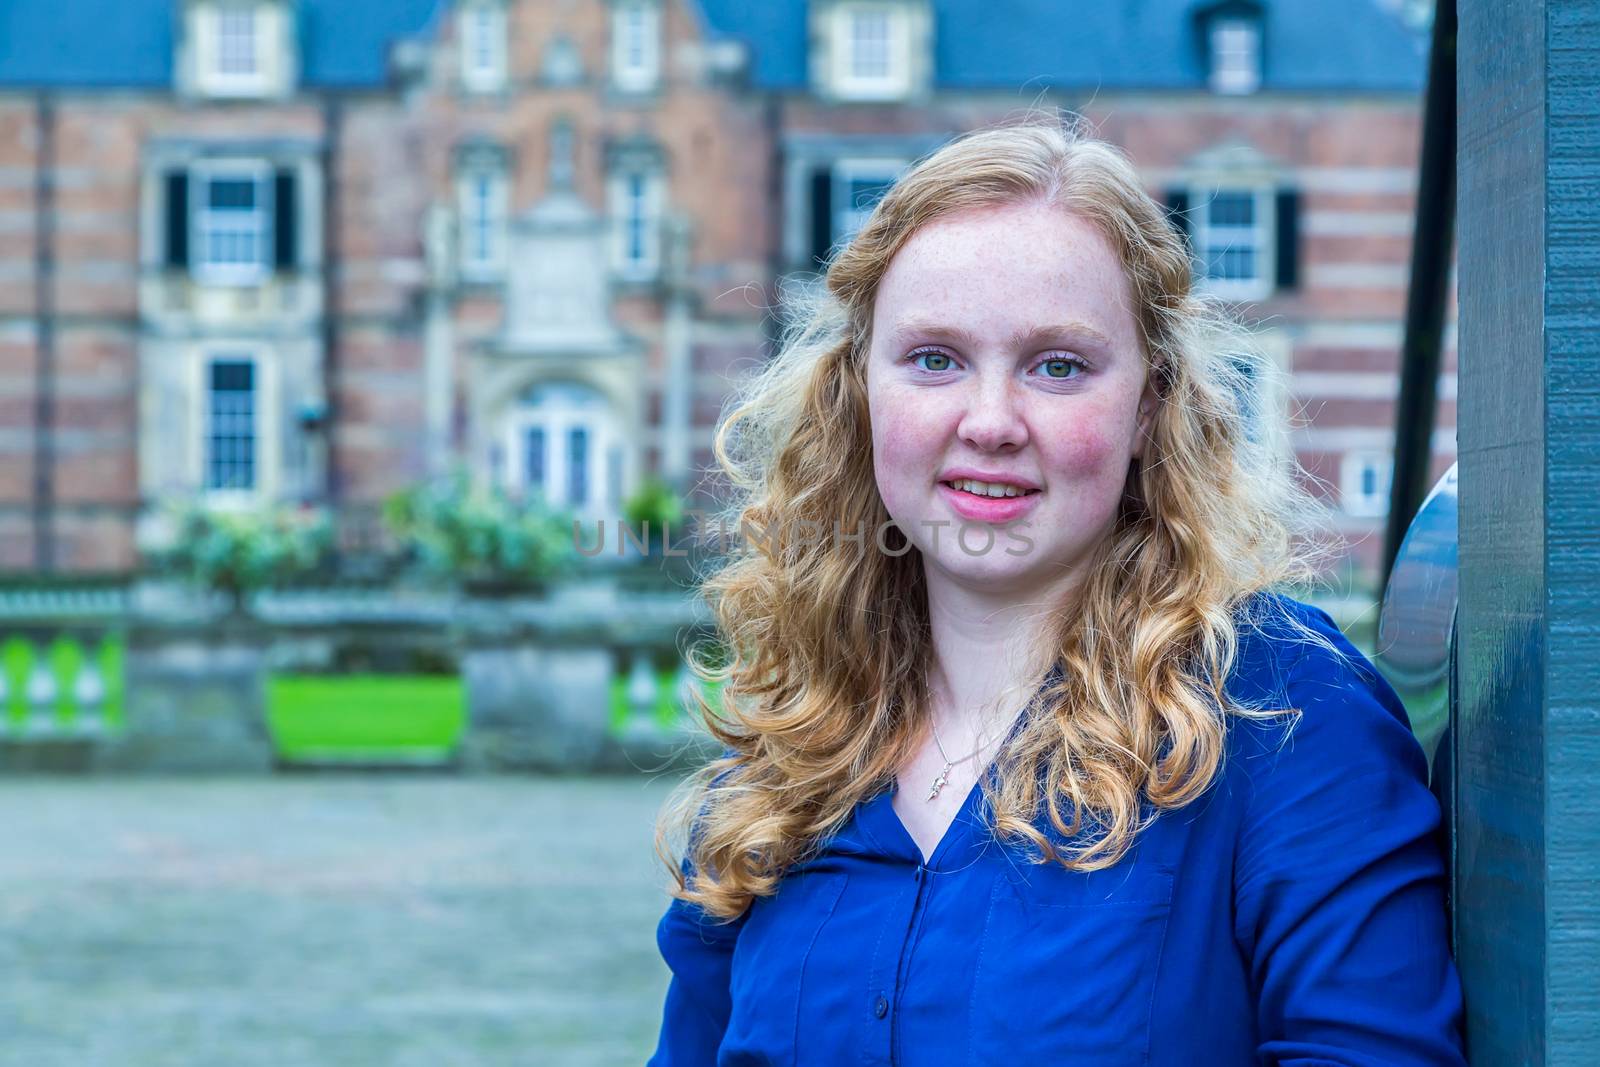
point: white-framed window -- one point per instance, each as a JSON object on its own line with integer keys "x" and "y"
{"x": 635, "y": 44}
{"x": 482, "y": 190}
{"x": 483, "y": 46}
{"x": 871, "y": 50}
{"x": 1364, "y": 479}
{"x": 232, "y": 223}
{"x": 233, "y": 392}
{"x": 636, "y": 205}
{"x": 230, "y": 430}
{"x": 1233, "y": 240}
{"x": 858, "y": 185}
{"x": 237, "y": 47}
{"x": 238, "y": 43}
{"x": 1235, "y": 55}
{"x": 564, "y": 443}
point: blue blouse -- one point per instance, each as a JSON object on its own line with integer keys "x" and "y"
{"x": 1293, "y": 914}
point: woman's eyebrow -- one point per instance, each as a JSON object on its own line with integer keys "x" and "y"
{"x": 920, "y": 328}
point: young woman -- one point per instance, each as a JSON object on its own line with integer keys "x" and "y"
{"x": 1028, "y": 758}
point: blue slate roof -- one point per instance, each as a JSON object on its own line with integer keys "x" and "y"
{"x": 128, "y": 43}
{"x": 1308, "y": 45}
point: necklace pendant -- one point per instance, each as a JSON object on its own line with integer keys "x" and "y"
{"x": 938, "y": 783}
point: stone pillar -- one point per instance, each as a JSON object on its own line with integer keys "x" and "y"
{"x": 196, "y": 701}
{"x": 537, "y": 699}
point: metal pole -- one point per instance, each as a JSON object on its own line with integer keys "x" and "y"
{"x": 1416, "y": 409}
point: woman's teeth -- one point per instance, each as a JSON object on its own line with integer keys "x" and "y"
{"x": 996, "y": 489}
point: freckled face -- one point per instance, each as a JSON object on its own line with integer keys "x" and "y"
{"x": 1003, "y": 342}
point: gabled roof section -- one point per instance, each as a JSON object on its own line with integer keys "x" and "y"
{"x": 129, "y": 43}
{"x": 1308, "y": 45}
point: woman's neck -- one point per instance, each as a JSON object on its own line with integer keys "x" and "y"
{"x": 986, "y": 662}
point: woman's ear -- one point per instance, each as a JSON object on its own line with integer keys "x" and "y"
{"x": 1148, "y": 402}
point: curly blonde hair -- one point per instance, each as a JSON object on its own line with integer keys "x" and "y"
{"x": 824, "y": 678}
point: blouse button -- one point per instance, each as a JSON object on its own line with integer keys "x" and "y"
{"x": 881, "y": 1008}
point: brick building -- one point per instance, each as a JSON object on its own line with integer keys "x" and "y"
{"x": 319, "y": 249}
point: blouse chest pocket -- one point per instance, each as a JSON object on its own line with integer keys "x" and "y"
{"x": 768, "y": 967}
{"x": 1067, "y": 968}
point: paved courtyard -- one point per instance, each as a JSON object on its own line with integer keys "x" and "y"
{"x": 313, "y": 920}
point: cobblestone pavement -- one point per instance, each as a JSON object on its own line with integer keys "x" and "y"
{"x": 309, "y": 920}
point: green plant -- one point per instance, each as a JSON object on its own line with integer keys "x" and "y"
{"x": 239, "y": 552}
{"x": 482, "y": 539}
{"x": 654, "y": 502}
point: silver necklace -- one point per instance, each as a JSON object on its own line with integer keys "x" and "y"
{"x": 938, "y": 783}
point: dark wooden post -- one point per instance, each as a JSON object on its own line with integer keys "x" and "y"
{"x": 1527, "y": 840}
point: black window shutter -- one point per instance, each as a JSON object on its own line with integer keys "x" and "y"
{"x": 285, "y": 221}
{"x": 177, "y": 219}
{"x": 1288, "y": 248}
{"x": 1178, "y": 214}
{"x": 821, "y": 214}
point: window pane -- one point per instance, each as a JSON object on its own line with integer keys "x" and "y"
{"x": 482, "y": 220}
{"x": 231, "y": 194}
{"x": 633, "y": 38}
{"x": 533, "y": 473}
{"x": 1231, "y": 248}
{"x": 1235, "y": 56}
{"x": 855, "y": 197}
{"x": 869, "y": 52}
{"x": 634, "y": 220}
{"x": 230, "y": 426}
{"x": 483, "y": 39}
{"x": 1230, "y": 262}
{"x": 578, "y": 466}
{"x": 232, "y": 225}
{"x": 236, "y": 41}
{"x": 1233, "y": 209}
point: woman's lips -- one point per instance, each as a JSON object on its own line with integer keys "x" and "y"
{"x": 989, "y": 508}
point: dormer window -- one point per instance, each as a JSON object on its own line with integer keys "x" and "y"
{"x": 238, "y": 48}
{"x": 483, "y": 46}
{"x": 238, "y": 44}
{"x": 1235, "y": 47}
{"x": 635, "y": 45}
{"x": 871, "y": 50}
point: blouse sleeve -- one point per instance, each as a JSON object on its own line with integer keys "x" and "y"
{"x": 1339, "y": 878}
{"x": 698, "y": 950}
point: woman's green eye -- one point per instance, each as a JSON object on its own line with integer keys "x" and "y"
{"x": 932, "y": 355}
{"x": 1059, "y": 368}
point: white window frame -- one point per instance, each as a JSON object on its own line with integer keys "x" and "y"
{"x": 218, "y": 28}
{"x": 635, "y": 45}
{"x": 849, "y": 81}
{"x": 237, "y": 18}
{"x": 1353, "y": 469}
{"x": 1235, "y": 46}
{"x": 482, "y": 32}
{"x": 206, "y": 221}
{"x": 847, "y": 217}
{"x": 1260, "y": 236}
{"x": 637, "y": 195}
{"x": 264, "y": 390}
{"x": 483, "y": 196}
{"x": 562, "y": 408}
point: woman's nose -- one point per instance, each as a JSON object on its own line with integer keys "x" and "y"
{"x": 993, "y": 418}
